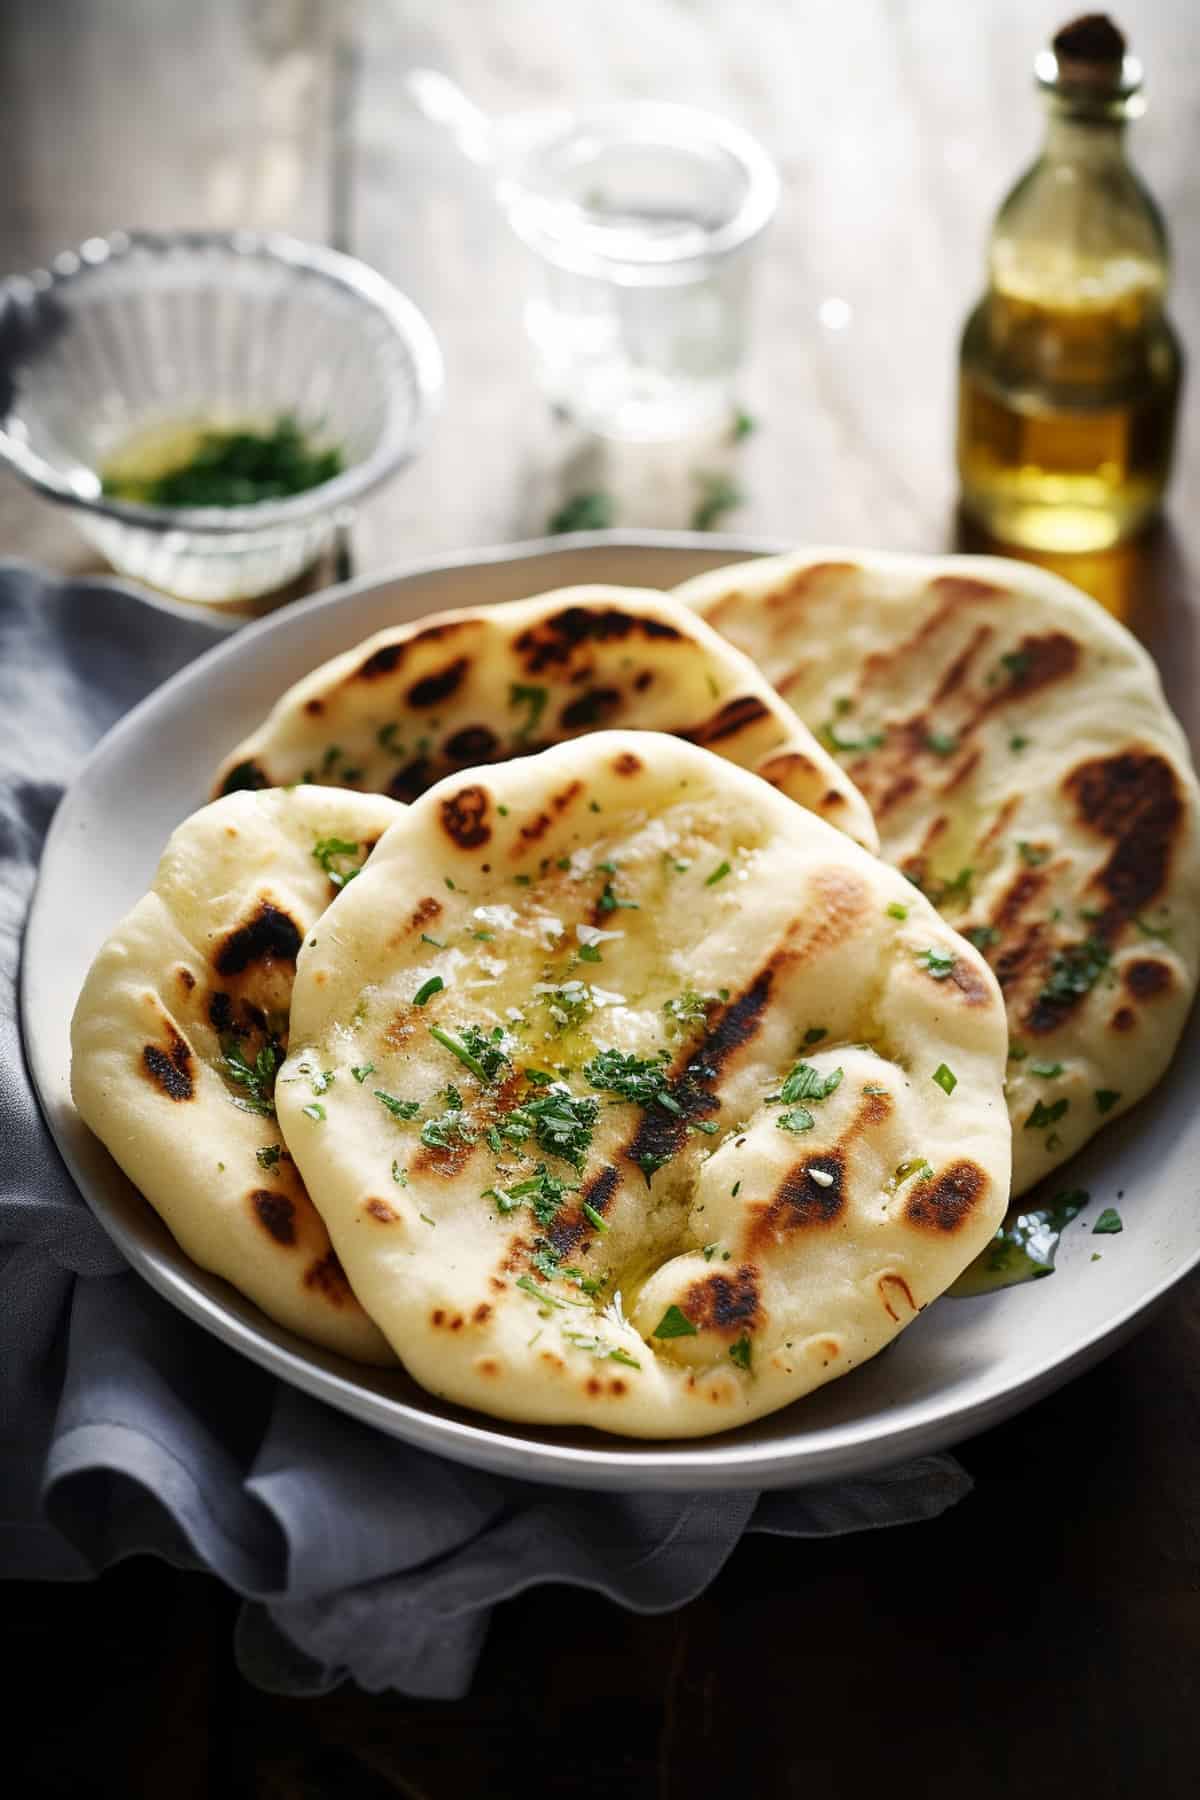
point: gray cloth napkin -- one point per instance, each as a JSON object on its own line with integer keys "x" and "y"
{"x": 125, "y": 1428}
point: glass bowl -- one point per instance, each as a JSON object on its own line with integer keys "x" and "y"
{"x": 144, "y": 331}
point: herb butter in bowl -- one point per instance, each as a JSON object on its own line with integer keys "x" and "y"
{"x": 210, "y": 406}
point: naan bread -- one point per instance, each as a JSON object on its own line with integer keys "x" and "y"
{"x": 179, "y": 1031}
{"x": 1024, "y": 769}
{"x": 414, "y": 704}
{"x": 651, "y": 1102}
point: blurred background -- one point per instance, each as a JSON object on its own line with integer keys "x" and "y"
{"x": 897, "y": 125}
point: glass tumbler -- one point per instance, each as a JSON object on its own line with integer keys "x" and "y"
{"x": 642, "y": 219}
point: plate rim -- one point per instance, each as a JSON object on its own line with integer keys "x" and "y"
{"x": 706, "y": 1464}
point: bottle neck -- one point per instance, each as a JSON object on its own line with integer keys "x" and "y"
{"x": 1078, "y": 138}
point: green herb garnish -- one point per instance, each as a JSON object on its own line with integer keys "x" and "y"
{"x": 946, "y": 1079}
{"x": 674, "y": 1324}
{"x": 1034, "y": 855}
{"x": 428, "y": 989}
{"x": 1075, "y": 970}
{"x": 718, "y": 495}
{"x": 937, "y": 962}
{"x": 1047, "y": 1071}
{"x": 1106, "y": 1099}
{"x": 639, "y": 1079}
{"x": 719, "y": 873}
{"x": 534, "y": 700}
{"x": 806, "y": 1083}
{"x": 235, "y": 468}
{"x": 1108, "y": 1224}
{"x": 896, "y": 911}
{"x": 837, "y": 739}
{"x": 798, "y": 1119}
{"x": 313, "y": 1111}
{"x": 942, "y": 743}
{"x": 740, "y": 1352}
{"x": 258, "y": 1077}
{"x": 399, "y": 1109}
{"x": 449, "y": 1129}
{"x": 269, "y": 1155}
{"x": 1043, "y": 1115}
{"x": 331, "y": 851}
{"x": 360, "y": 1074}
{"x": 583, "y": 512}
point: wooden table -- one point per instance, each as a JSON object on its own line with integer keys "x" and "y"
{"x": 1046, "y": 1634}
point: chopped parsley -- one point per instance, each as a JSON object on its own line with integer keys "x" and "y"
{"x": 718, "y": 495}
{"x": 743, "y": 424}
{"x": 797, "y": 1119}
{"x": 1108, "y": 1224}
{"x": 1033, "y": 855}
{"x": 596, "y": 1346}
{"x": 1106, "y": 1099}
{"x": 446, "y": 1131}
{"x": 640, "y": 1079}
{"x": 399, "y": 1109}
{"x": 568, "y": 1005}
{"x": 482, "y": 1053}
{"x": 1047, "y": 1071}
{"x": 562, "y": 1122}
{"x": 1017, "y": 742}
{"x": 583, "y": 512}
{"x": 1016, "y": 663}
{"x": 427, "y": 1219}
{"x": 360, "y": 1074}
{"x": 542, "y": 1192}
{"x": 740, "y": 1352}
{"x": 689, "y": 1008}
{"x": 709, "y": 1251}
{"x": 314, "y": 1111}
{"x": 982, "y": 936}
{"x": 719, "y": 873}
{"x": 385, "y": 737}
{"x": 1153, "y": 931}
{"x": 942, "y": 743}
{"x": 1043, "y": 1115}
{"x": 946, "y": 1079}
{"x": 610, "y": 902}
{"x": 592, "y": 1216}
{"x": 399, "y": 1175}
{"x": 323, "y": 1081}
{"x": 806, "y": 1083}
{"x": 436, "y": 942}
{"x": 1017, "y": 1052}
{"x": 269, "y": 1155}
{"x": 674, "y": 1324}
{"x": 588, "y": 953}
{"x": 1075, "y": 970}
{"x": 330, "y": 852}
{"x": 837, "y": 739}
{"x": 815, "y": 1033}
{"x": 533, "y": 699}
{"x": 937, "y": 962}
{"x": 541, "y": 1294}
{"x": 428, "y": 989}
{"x": 897, "y": 911}
{"x": 258, "y": 1077}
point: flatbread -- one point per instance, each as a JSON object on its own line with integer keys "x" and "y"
{"x": 191, "y": 989}
{"x": 1023, "y": 766}
{"x": 566, "y": 1246}
{"x": 461, "y": 689}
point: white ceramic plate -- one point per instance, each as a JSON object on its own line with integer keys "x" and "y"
{"x": 964, "y": 1365}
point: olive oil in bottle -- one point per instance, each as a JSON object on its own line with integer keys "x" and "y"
{"x": 1070, "y": 371}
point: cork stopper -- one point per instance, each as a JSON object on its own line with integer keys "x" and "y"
{"x": 1089, "y": 59}
{"x": 1090, "y": 51}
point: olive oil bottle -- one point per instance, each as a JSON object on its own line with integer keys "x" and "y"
{"x": 1070, "y": 370}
